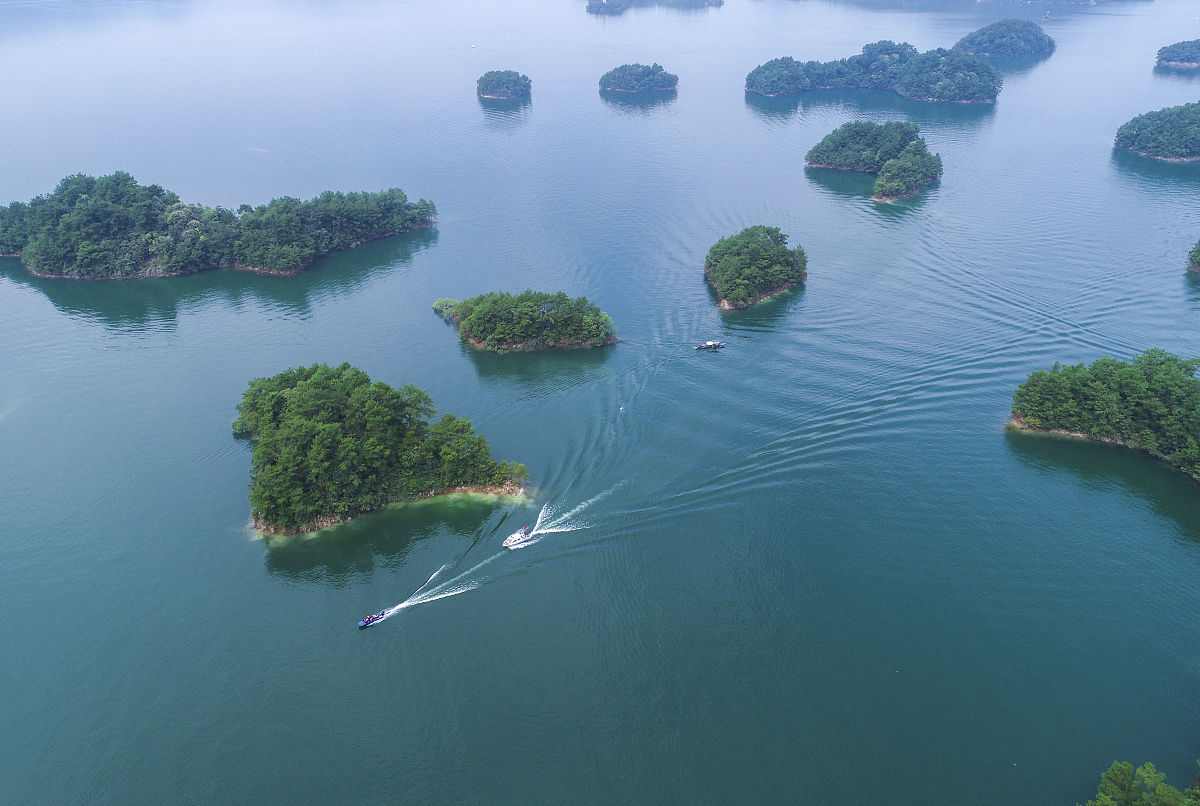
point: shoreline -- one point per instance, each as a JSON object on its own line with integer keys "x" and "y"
{"x": 503, "y": 97}
{"x": 725, "y": 305}
{"x": 1178, "y": 65}
{"x": 653, "y": 89}
{"x": 1148, "y": 155}
{"x": 838, "y": 168}
{"x": 991, "y": 100}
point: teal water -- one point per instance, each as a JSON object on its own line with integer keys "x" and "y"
{"x": 810, "y": 568}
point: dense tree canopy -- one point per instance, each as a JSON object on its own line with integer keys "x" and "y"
{"x": 1122, "y": 785}
{"x": 503, "y": 84}
{"x": 892, "y": 150}
{"x": 1151, "y": 403}
{"x": 111, "y": 227}
{"x": 753, "y": 264}
{"x": 620, "y": 6}
{"x": 1181, "y": 54}
{"x": 1171, "y": 134}
{"x": 936, "y": 75}
{"x": 330, "y": 444}
{"x": 529, "y": 320}
{"x": 638, "y": 78}
{"x": 1006, "y": 39}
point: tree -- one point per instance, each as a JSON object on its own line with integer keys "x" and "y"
{"x": 1121, "y": 785}
{"x": 753, "y": 264}
{"x": 639, "y": 78}
{"x": 503, "y": 84}
{"x": 1008, "y": 39}
{"x": 529, "y": 320}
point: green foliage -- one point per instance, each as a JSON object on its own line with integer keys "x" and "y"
{"x": 529, "y": 320}
{"x": 755, "y": 262}
{"x": 937, "y": 75}
{"x": 331, "y": 444}
{"x": 909, "y": 173}
{"x": 1006, "y": 39}
{"x": 503, "y": 84}
{"x": 638, "y": 78}
{"x": 1194, "y": 256}
{"x": 862, "y": 146}
{"x": 113, "y": 227}
{"x": 1180, "y": 53}
{"x": 1152, "y": 402}
{"x": 1171, "y": 133}
{"x": 1122, "y": 785}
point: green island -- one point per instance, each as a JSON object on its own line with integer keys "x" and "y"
{"x": 753, "y": 265}
{"x": 1122, "y": 785}
{"x": 1194, "y": 257}
{"x": 621, "y": 6}
{"x": 1150, "y": 404}
{"x": 936, "y": 75}
{"x": 111, "y": 227}
{"x": 1008, "y": 39}
{"x": 531, "y": 320}
{"x": 329, "y": 445}
{"x": 1171, "y": 134}
{"x": 638, "y": 78}
{"x": 892, "y": 150}
{"x": 1181, "y": 54}
{"x": 503, "y": 84}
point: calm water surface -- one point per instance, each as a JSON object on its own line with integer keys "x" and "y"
{"x": 812, "y": 568}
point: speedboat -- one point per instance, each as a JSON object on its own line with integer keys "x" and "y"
{"x": 710, "y": 345}
{"x": 517, "y": 538}
{"x": 371, "y": 619}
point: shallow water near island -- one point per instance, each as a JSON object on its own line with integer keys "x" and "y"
{"x": 814, "y": 566}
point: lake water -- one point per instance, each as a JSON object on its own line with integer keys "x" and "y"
{"x": 810, "y": 568}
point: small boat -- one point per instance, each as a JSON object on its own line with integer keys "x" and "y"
{"x": 371, "y": 619}
{"x": 710, "y": 345}
{"x": 517, "y": 538}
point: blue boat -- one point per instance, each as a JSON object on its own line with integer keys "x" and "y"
{"x": 371, "y": 619}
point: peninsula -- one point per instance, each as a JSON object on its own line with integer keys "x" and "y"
{"x": 111, "y": 227}
{"x": 1008, "y": 39}
{"x": 936, "y": 75}
{"x": 1171, "y": 134}
{"x": 531, "y": 320}
{"x": 638, "y": 78}
{"x": 893, "y": 151}
{"x": 1182, "y": 55}
{"x": 503, "y": 84}
{"x": 329, "y": 445}
{"x": 1150, "y": 404}
{"x": 753, "y": 265}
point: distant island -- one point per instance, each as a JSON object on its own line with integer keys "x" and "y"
{"x": 936, "y": 75}
{"x": 1184, "y": 55}
{"x": 531, "y": 320}
{"x": 1150, "y": 404}
{"x": 621, "y": 6}
{"x": 111, "y": 227}
{"x": 1008, "y": 39}
{"x": 329, "y": 445}
{"x": 503, "y": 84}
{"x": 753, "y": 265}
{"x": 1171, "y": 134}
{"x": 638, "y": 78}
{"x": 892, "y": 150}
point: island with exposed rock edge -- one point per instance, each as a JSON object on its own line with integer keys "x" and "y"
{"x": 1170, "y": 135}
{"x": 531, "y": 320}
{"x": 1150, "y": 404}
{"x": 113, "y": 228}
{"x": 638, "y": 78}
{"x": 1008, "y": 39}
{"x": 893, "y": 151}
{"x": 1181, "y": 55}
{"x": 753, "y": 265}
{"x": 504, "y": 85}
{"x": 330, "y": 445}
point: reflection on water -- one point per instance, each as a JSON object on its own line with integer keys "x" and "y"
{"x": 875, "y": 105}
{"x": 505, "y": 112}
{"x": 1192, "y": 281}
{"x": 1181, "y": 73}
{"x": 854, "y": 184}
{"x": 1015, "y": 65}
{"x": 538, "y": 366}
{"x": 761, "y": 316}
{"x": 1172, "y": 493}
{"x": 154, "y": 302}
{"x": 1158, "y": 174}
{"x": 638, "y": 103}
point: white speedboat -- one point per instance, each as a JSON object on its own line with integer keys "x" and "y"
{"x": 517, "y": 538}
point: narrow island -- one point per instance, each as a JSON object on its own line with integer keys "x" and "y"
{"x": 893, "y": 151}
{"x": 1181, "y": 55}
{"x": 1008, "y": 39}
{"x": 753, "y": 265}
{"x": 531, "y": 320}
{"x": 613, "y": 7}
{"x": 329, "y": 445}
{"x": 503, "y": 85}
{"x": 936, "y": 75}
{"x": 113, "y": 228}
{"x": 1171, "y": 134}
{"x": 1151, "y": 404}
{"x": 638, "y": 78}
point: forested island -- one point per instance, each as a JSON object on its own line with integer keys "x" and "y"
{"x": 638, "y": 78}
{"x": 753, "y": 265}
{"x": 621, "y": 6}
{"x": 1008, "y": 39}
{"x": 936, "y": 75}
{"x": 1171, "y": 134}
{"x": 1194, "y": 257}
{"x": 1122, "y": 785}
{"x": 1150, "y": 404}
{"x": 1182, "y": 55}
{"x": 892, "y": 150}
{"x": 329, "y": 444}
{"x": 503, "y": 84}
{"x": 531, "y": 320}
{"x": 111, "y": 227}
